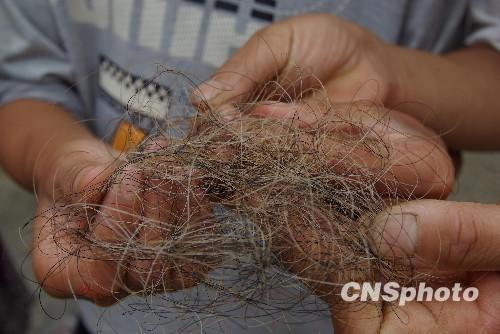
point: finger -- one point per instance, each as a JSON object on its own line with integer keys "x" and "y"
{"x": 64, "y": 261}
{"x": 67, "y": 265}
{"x": 172, "y": 213}
{"x": 119, "y": 214}
{"x": 448, "y": 316}
{"x": 304, "y": 114}
{"x": 118, "y": 217}
{"x": 80, "y": 174}
{"x": 410, "y": 158}
{"x": 430, "y": 317}
{"x": 261, "y": 58}
{"x": 176, "y": 222}
{"x": 450, "y": 236}
{"x": 357, "y": 318}
{"x": 294, "y": 53}
{"x": 304, "y": 247}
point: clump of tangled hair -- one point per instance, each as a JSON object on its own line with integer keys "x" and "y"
{"x": 273, "y": 202}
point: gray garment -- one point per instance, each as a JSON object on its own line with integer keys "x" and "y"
{"x": 51, "y": 49}
{"x": 91, "y": 56}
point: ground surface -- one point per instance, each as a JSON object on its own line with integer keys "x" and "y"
{"x": 479, "y": 181}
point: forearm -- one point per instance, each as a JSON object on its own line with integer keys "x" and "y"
{"x": 457, "y": 94}
{"x": 34, "y": 134}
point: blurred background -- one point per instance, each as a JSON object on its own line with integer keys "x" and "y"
{"x": 479, "y": 181}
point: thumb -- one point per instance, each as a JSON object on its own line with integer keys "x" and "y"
{"x": 65, "y": 262}
{"x": 261, "y": 58}
{"x": 441, "y": 235}
{"x": 81, "y": 172}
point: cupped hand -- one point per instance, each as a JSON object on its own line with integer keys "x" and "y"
{"x": 104, "y": 229}
{"x": 326, "y": 68}
{"x": 302, "y": 53}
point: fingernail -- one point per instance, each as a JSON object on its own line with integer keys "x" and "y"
{"x": 227, "y": 112}
{"x": 394, "y": 235}
{"x": 208, "y": 91}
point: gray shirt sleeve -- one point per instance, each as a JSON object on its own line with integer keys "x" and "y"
{"x": 484, "y": 18}
{"x": 33, "y": 60}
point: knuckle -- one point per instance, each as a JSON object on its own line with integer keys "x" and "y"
{"x": 463, "y": 235}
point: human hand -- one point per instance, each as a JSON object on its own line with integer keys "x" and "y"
{"x": 323, "y": 64}
{"x": 328, "y": 68}
{"x": 457, "y": 242}
{"x": 102, "y": 238}
{"x": 301, "y": 53}
{"x": 353, "y": 64}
